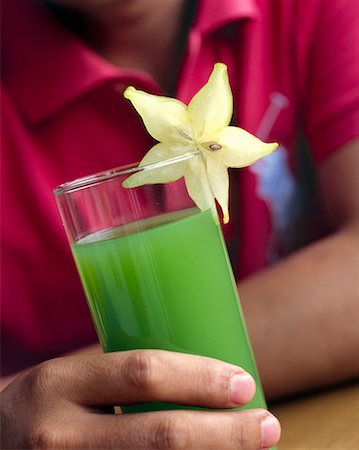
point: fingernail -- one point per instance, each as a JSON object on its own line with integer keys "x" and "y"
{"x": 270, "y": 431}
{"x": 243, "y": 388}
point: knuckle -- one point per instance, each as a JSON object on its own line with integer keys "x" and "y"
{"x": 172, "y": 433}
{"x": 138, "y": 369}
{"x": 51, "y": 435}
{"x": 246, "y": 435}
{"x": 213, "y": 385}
{"x": 42, "y": 438}
{"x": 242, "y": 440}
{"x": 41, "y": 378}
{"x": 218, "y": 383}
{"x": 47, "y": 380}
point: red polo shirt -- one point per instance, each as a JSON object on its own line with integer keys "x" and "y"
{"x": 63, "y": 117}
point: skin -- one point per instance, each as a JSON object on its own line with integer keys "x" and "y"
{"x": 327, "y": 324}
{"x": 311, "y": 298}
{"x": 64, "y": 396}
{"x": 130, "y": 33}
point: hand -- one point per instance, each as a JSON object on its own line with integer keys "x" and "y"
{"x": 58, "y": 404}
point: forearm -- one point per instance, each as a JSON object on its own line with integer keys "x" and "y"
{"x": 302, "y": 316}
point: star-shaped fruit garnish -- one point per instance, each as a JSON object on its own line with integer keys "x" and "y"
{"x": 201, "y": 129}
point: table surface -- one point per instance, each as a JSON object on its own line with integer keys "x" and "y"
{"x": 326, "y": 420}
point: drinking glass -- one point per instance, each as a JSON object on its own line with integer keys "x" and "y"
{"x": 155, "y": 269}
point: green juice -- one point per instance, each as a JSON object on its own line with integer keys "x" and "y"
{"x": 166, "y": 283}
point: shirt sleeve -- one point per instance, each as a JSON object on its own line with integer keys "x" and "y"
{"x": 331, "y": 93}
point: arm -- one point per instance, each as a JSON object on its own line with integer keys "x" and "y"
{"x": 302, "y": 313}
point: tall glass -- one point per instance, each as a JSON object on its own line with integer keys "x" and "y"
{"x": 155, "y": 270}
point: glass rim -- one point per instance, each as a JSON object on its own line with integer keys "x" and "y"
{"x": 129, "y": 169}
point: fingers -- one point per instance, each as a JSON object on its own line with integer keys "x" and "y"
{"x": 251, "y": 429}
{"x": 57, "y": 391}
{"x": 152, "y": 375}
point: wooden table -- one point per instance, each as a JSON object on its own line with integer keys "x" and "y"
{"x": 327, "y": 420}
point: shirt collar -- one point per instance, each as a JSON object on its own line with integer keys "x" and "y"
{"x": 214, "y": 14}
{"x": 46, "y": 67}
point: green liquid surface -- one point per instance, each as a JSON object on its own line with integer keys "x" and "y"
{"x": 166, "y": 283}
